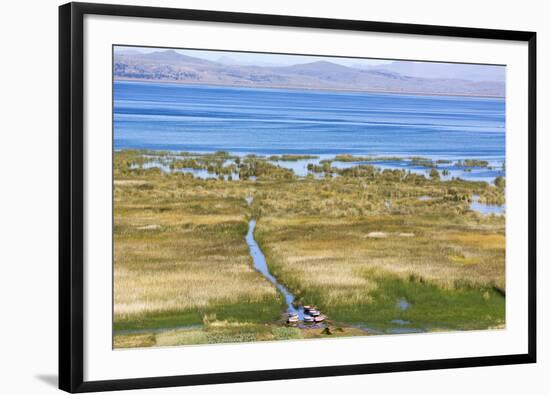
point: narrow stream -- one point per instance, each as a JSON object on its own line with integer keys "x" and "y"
{"x": 261, "y": 266}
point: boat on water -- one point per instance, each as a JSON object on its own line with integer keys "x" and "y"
{"x": 314, "y": 313}
{"x": 320, "y": 318}
{"x": 292, "y": 318}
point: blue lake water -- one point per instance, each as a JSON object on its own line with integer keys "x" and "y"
{"x": 202, "y": 118}
{"x": 485, "y": 208}
{"x": 199, "y": 118}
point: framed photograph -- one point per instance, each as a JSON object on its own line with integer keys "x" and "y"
{"x": 250, "y": 197}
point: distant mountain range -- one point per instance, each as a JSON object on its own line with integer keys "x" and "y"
{"x": 443, "y": 70}
{"x": 406, "y": 77}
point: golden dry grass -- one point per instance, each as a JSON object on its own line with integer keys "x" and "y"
{"x": 340, "y": 253}
{"x": 172, "y": 257}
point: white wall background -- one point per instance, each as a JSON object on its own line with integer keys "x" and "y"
{"x": 28, "y": 194}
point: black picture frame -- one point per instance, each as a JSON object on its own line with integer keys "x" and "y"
{"x": 71, "y": 173}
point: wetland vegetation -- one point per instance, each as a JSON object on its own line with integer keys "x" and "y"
{"x": 378, "y": 250}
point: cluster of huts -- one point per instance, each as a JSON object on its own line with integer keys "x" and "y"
{"x": 311, "y": 315}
